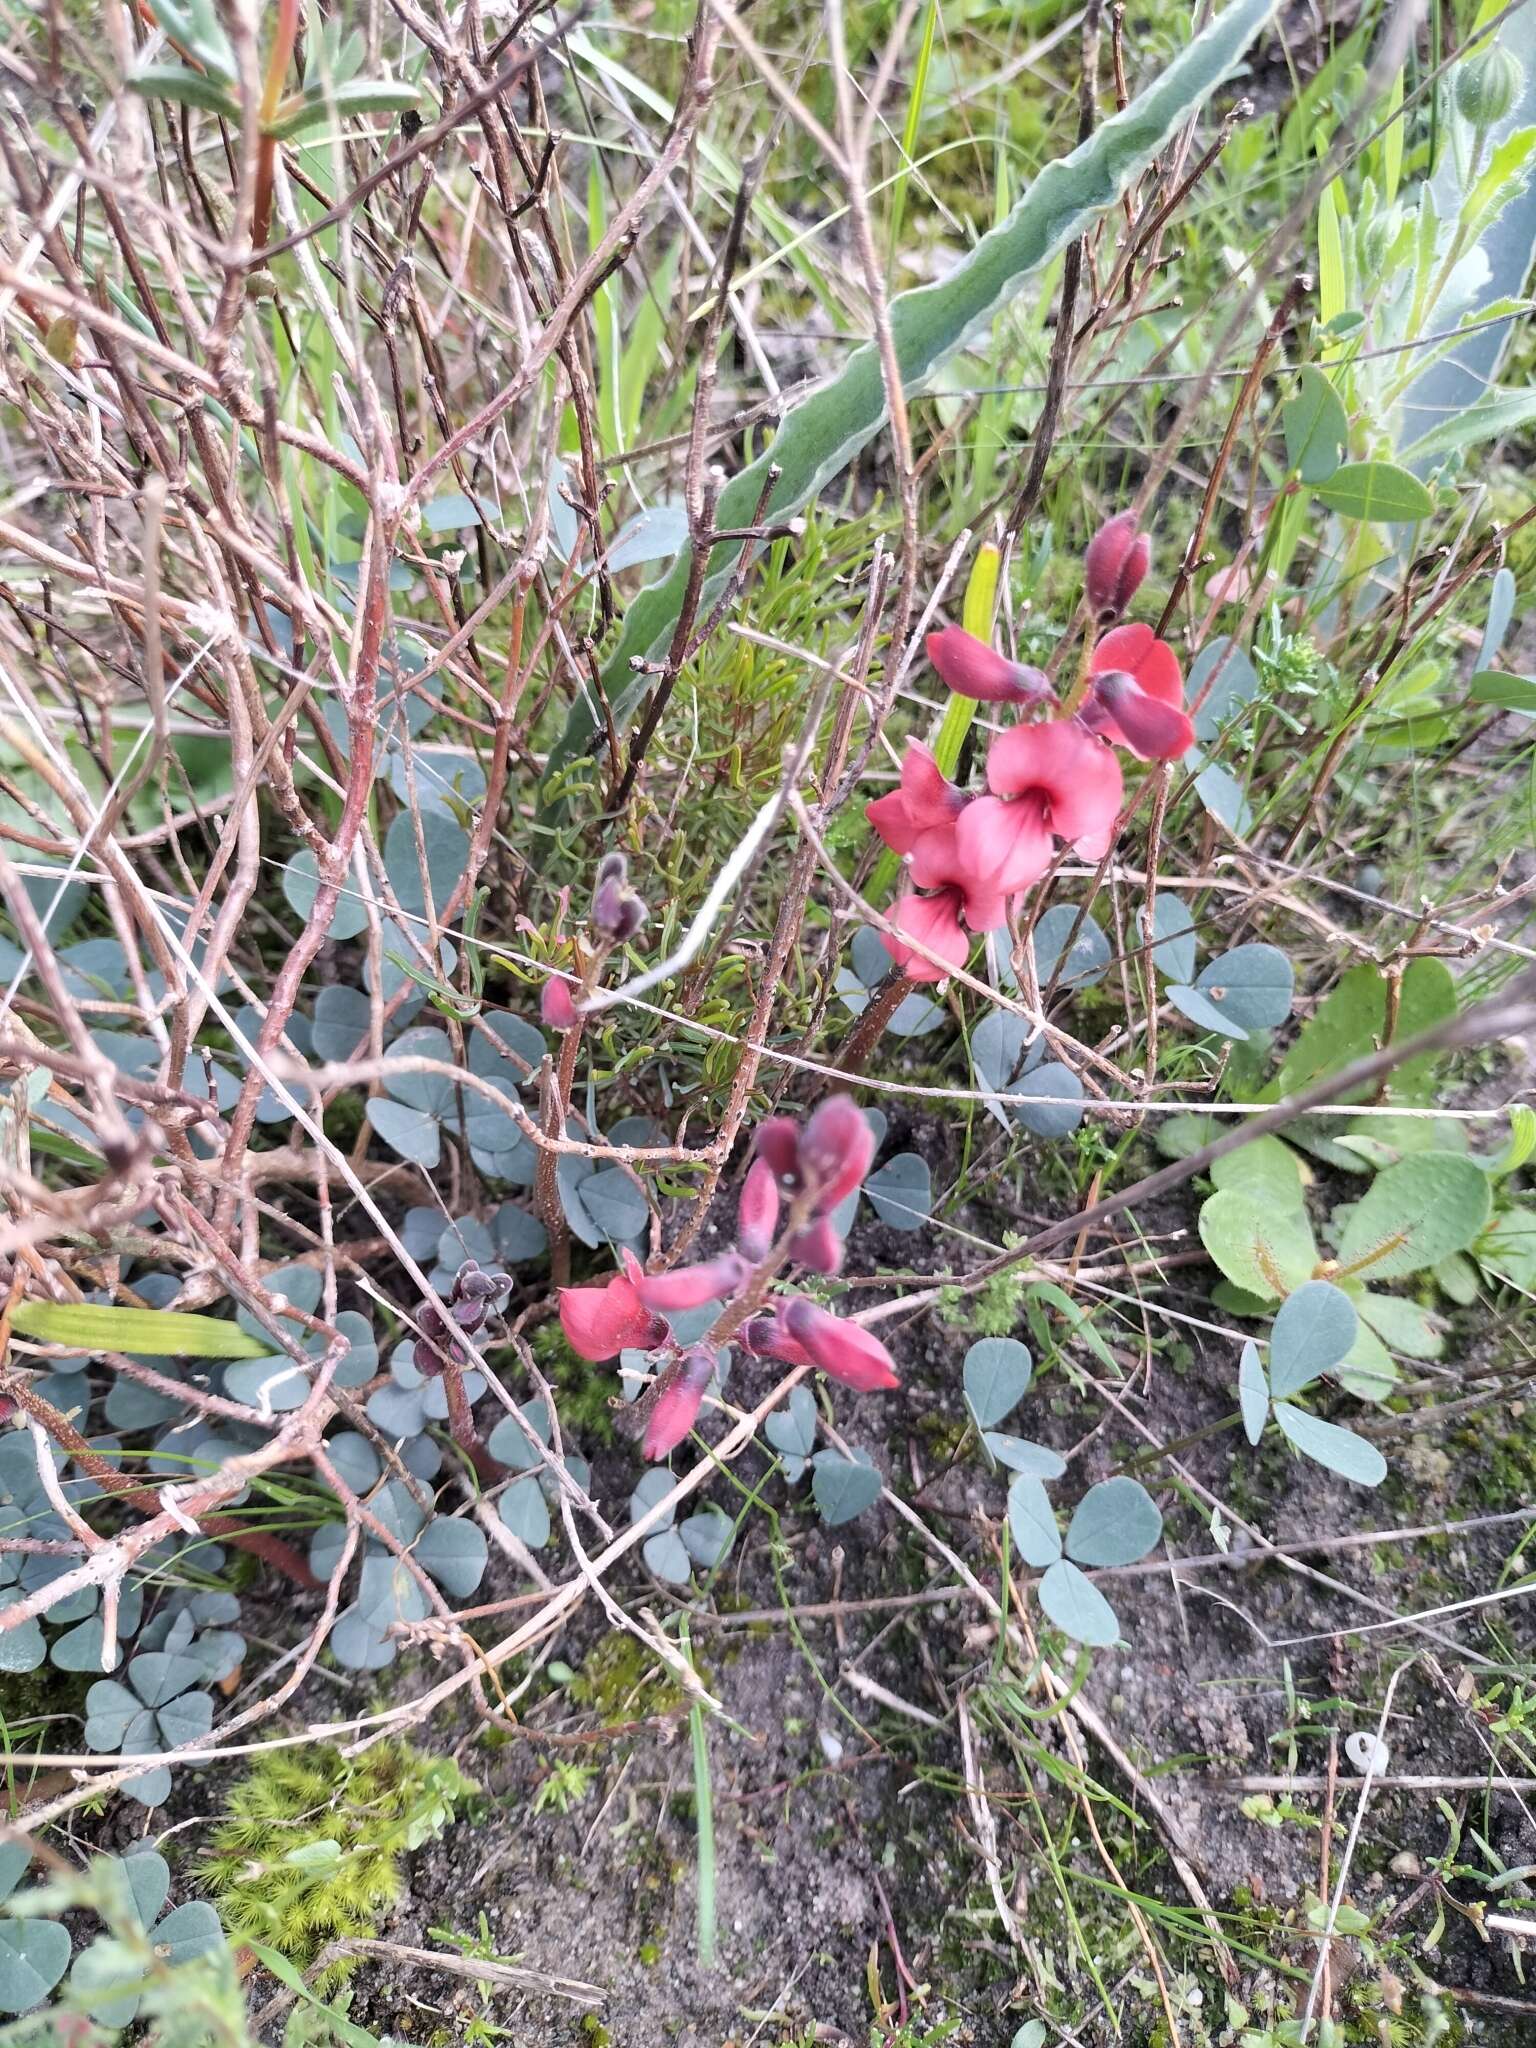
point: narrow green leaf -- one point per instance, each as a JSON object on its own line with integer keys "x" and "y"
{"x": 1252, "y": 1392}
{"x": 1330, "y": 256}
{"x": 1504, "y": 692}
{"x": 146, "y": 1332}
{"x": 187, "y": 88}
{"x": 821, "y": 435}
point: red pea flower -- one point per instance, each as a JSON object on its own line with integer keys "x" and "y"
{"x": 918, "y": 819}
{"x": 1074, "y": 777}
{"x": 797, "y": 1332}
{"x": 757, "y": 1214}
{"x": 932, "y": 922}
{"x": 1117, "y": 559}
{"x": 676, "y": 1400}
{"x": 600, "y": 1322}
{"x": 1137, "y": 697}
{"x": 692, "y": 1286}
{"x": 973, "y": 669}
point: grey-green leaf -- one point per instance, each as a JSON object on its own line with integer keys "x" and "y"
{"x": 1116, "y": 1522}
{"x": 34, "y": 1955}
{"x": 1316, "y": 428}
{"x": 1077, "y": 1607}
{"x": 902, "y": 1191}
{"x": 1339, "y": 1449}
{"x": 843, "y": 1487}
{"x": 1252, "y": 1392}
{"x": 996, "y": 1378}
{"x": 1032, "y": 1521}
{"x": 1313, "y": 1331}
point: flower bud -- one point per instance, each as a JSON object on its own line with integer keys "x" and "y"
{"x": 844, "y": 1351}
{"x": 688, "y": 1287}
{"x": 617, "y": 912}
{"x": 557, "y": 1006}
{"x": 837, "y": 1148}
{"x": 1117, "y": 559}
{"x": 973, "y": 669}
{"x": 818, "y": 1247}
{"x": 757, "y": 1216}
{"x": 1487, "y": 87}
{"x": 676, "y": 1401}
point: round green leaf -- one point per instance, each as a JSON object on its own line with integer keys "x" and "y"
{"x": 1266, "y": 1250}
{"x": 665, "y": 1556}
{"x": 1032, "y": 1522}
{"x": 1072, "y": 962}
{"x": 1116, "y": 1522}
{"x": 301, "y": 886}
{"x": 1020, "y": 1455}
{"x": 453, "y": 1551}
{"x": 1077, "y": 1607}
{"x": 410, "y": 1132}
{"x": 902, "y": 1191}
{"x": 996, "y": 1377}
{"x": 526, "y": 1512}
{"x": 1313, "y": 1332}
{"x": 1253, "y": 986}
{"x": 1415, "y": 1214}
{"x": 707, "y": 1536}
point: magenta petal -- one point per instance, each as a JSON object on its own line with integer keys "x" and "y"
{"x": 844, "y": 1351}
{"x": 600, "y": 1322}
{"x": 557, "y": 1006}
{"x": 837, "y": 1148}
{"x": 1155, "y": 730}
{"x": 818, "y": 1246}
{"x": 892, "y": 818}
{"x": 778, "y": 1141}
{"x": 1117, "y": 559}
{"x": 693, "y": 1286}
{"x": 676, "y": 1402}
{"x": 1076, "y": 776}
{"x": 757, "y": 1214}
{"x": 932, "y": 922}
{"x": 1004, "y": 846}
{"x": 973, "y": 669}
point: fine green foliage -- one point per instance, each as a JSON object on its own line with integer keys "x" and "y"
{"x": 310, "y": 1851}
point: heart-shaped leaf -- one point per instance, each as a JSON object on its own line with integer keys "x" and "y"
{"x": 1032, "y": 1522}
{"x": 1313, "y": 1331}
{"x": 902, "y": 1191}
{"x": 34, "y": 1954}
{"x": 1115, "y": 1522}
{"x": 996, "y": 1377}
{"x": 1077, "y": 1607}
{"x": 843, "y": 1487}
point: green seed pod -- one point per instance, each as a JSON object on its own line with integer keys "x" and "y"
{"x": 1487, "y": 86}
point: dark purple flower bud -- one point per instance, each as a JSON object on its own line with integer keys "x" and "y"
{"x": 617, "y": 912}
{"x": 778, "y": 1141}
{"x": 1117, "y": 559}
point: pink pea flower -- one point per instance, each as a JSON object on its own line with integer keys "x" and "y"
{"x": 676, "y": 1400}
{"x": 1137, "y": 698}
{"x": 1001, "y": 849}
{"x": 693, "y": 1286}
{"x": 1117, "y": 559}
{"x": 918, "y": 819}
{"x": 600, "y": 1322}
{"x": 932, "y": 922}
{"x": 973, "y": 669}
{"x": 556, "y": 1004}
{"x": 757, "y": 1214}
{"x": 1073, "y": 776}
{"x": 797, "y": 1332}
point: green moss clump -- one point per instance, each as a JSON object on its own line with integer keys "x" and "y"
{"x": 311, "y": 1850}
{"x": 620, "y": 1681}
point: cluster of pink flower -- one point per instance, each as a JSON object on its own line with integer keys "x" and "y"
{"x": 1057, "y": 779}
{"x": 809, "y": 1170}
